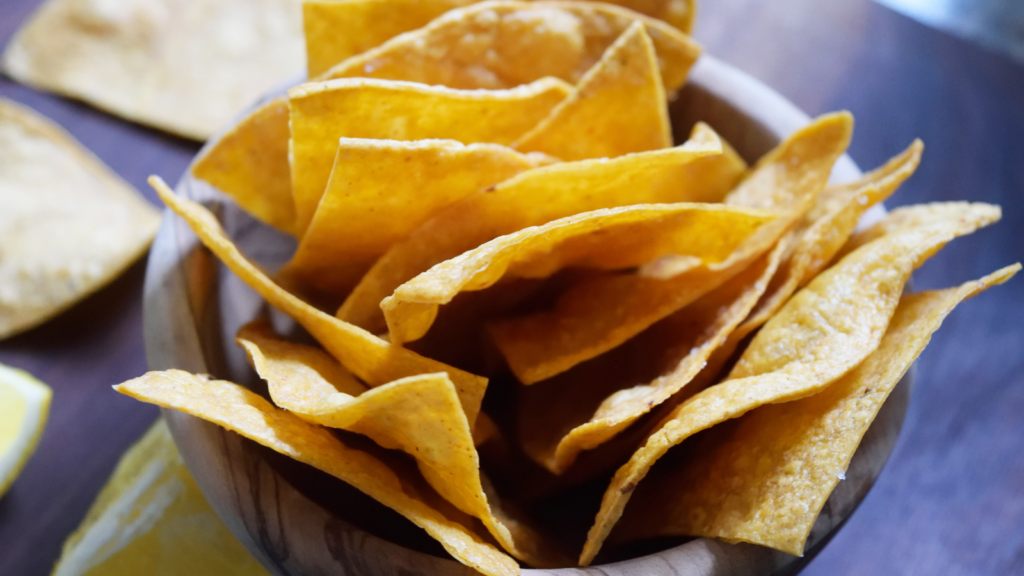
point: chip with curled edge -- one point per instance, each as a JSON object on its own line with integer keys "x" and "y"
{"x": 766, "y": 479}
{"x": 419, "y": 415}
{"x": 532, "y": 198}
{"x": 617, "y": 107}
{"x": 235, "y": 408}
{"x": 323, "y": 112}
{"x": 677, "y": 347}
{"x": 506, "y": 43}
{"x": 583, "y": 325}
{"x": 373, "y": 360}
{"x": 607, "y": 239}
{"x": 380, "y": 190}
{"x": 822, "y": 333}
{"x": 339, "y": 30}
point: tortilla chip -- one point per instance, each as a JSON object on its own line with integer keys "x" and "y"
{"x": 583, "y": 324}
{"x": 69, "y": 225}
{"x": 822, "y": 333}
{"x": 684, "y": 340}
{"x": 912, "y": 217}
{"x": 711, "y": 178}
{"x": 338, "y": 30}
{"x": 380, "y": 190}
{"x": 768, "y": 479}
{"x": 186, "y": 67}
{"x": 618, "y": 107}
{"x": 239, "y": 410}
{"x": 532, "y": 198}
{"x": 502, "y": 44}
{"x": 419, "y": 415}
{"x": 322, "y": 112}
{"x": 605, "y": 239}
{"x": 826, "y": 228}
{"x": 250, "y": 164}
{"x": 373, "y": 360}
{"x": 679, "y": 13}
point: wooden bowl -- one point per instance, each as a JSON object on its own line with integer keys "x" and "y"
{"x": 300, "y": 522}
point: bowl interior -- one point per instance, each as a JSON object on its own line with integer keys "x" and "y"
{"x": 298, "y": 521}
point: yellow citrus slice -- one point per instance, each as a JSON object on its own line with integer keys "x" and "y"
{"x": 151, "y": 518}
{"x": 24, "y": 405}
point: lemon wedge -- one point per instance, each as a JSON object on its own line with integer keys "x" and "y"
{"x": 151, "y": 518}
{"x": 24, "y": 405}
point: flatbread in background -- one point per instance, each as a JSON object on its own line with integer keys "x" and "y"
{"x": 184, "y": 66}
{"x": 68, "y": 225}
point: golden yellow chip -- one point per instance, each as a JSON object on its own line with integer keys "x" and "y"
{"x": 827, "y": 226}
{"x": 380, "y": 190}
{"x": 250, "y": 164}
{"x": 710, "y": 178}
{"x": 68, "y": 224}
{"x": 618, "y": 107}
{"x": 322, "y": 112}
{"x": 583, "y": 324}
{"x": 532, "y": 198}
{"x": 187, "y": 67}
{"x": 419, "y": 415}
{"x": 237, "y": 409}
{"x": 336, "y": 30}
{"x": 502, "y": 44}
{"x": 823, "y": 332}
{"x": 910, "y": 218}
{"x": 373, "y": 360}
{"x": 612, "y": 238}
{"x": 679, "y": 13}
{"x": 687, "y": 337}
{"x": 768, "y": 479}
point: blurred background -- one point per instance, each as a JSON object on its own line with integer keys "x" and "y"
{"x": 951, "y": 72}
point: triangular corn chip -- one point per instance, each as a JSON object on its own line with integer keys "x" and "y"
{"x": 618, "y": 107}
{"x": 908, "y": 218}
{"x": 611, "y": 238}
{"x": 322, "y": 112}
{"x": 336, "y": 30}
{"x": 505, "y": 43}
{"x": 68, "y": 224}
{"x": 380, "y": 190}
{"x": 532, "y": 198}
{"x": 826, "y": 228}
{"x": 790, "y": 175}
{"x": 419, "y": 415}
{"x": 688, "y": 337}
{"x": 250, "y": 164}
{"x": 823, "y": 332}
{"x": 789, "y": 456}
{"x": 239, "y": 410}
{"x": 373, "y": 360}
{"x": 583, "y": 324}
{"x": 186, "y": 67}
{"x": 679, "y": 13}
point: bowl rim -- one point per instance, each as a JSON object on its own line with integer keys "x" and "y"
{"x": 172, "y": 340}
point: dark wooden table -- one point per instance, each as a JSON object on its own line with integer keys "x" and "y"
{"x": 951, "y": 499}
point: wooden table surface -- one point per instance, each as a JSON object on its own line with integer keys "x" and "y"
{"x": 951, "y": 499}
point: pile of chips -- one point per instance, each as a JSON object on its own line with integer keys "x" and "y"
{"x": 505, "y": 260}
